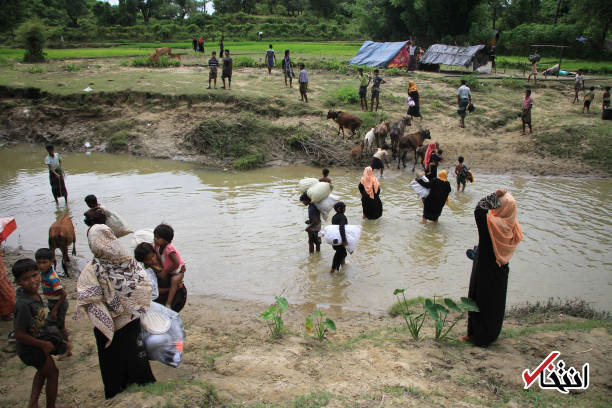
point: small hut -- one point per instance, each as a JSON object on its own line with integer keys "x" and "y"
{"x": 440, "y": 54}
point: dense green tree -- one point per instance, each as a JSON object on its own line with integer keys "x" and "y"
{"x": 186, "y": 7}
{"x": 32, "y": 36}
{"x": 323, "y": 8}
{"x": 75, "y": 9}
{"x": 12, "y": 14}
{"x": 596, "y": 15}
{"x": 148, "y": 8}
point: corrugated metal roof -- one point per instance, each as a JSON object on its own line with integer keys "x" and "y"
{"x": 453, "y": 55}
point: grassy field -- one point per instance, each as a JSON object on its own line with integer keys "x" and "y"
{"x": 521, "y": 62}
{"x": 307, "y": 50}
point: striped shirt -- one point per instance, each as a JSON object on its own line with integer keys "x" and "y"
{"x": 51, "y": 285}
{"x": 213, "y": 64}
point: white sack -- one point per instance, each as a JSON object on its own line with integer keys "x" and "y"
{"x": 116, "y": 223}
{"x": 333, "y": 237}
{"x": 167, "y": 348}
{"x": 325, "y": 206}
{"x": 319, "y": 191}
{"x": 423, "y": 192}
{"x": 306, "y": 183}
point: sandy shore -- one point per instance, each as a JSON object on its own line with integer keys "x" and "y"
{"x": 370, "y": 361}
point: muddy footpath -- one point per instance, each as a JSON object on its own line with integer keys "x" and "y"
{"x": 369, "y": 361}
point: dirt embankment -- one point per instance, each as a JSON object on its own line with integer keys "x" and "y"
{"x": 370, "y": 361}
{"x": 246, "y": 130}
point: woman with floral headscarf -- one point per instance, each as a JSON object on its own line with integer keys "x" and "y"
{"x": 439, "y": 189}
{"x": 370, "y": 191}
{"x": 498, "y": 235}
{"x": 114, "y": 292}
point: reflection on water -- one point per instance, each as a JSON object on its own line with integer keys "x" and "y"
{"x": 242, "y": 234}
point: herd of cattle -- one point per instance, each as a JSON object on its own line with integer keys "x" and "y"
{"x": 401, "y": 143}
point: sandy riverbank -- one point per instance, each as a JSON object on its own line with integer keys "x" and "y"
{"x": 370, "y": 361}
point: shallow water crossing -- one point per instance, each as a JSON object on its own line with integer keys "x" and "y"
{"x": 242, "y": 234}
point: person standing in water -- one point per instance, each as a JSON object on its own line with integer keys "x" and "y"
{"x": 339, "y": 219}
{"x": 325, "y": 177}
{"x": 314, "y": 224}
{"x": 369, "y": 188}
{"x": 56, "y": 174}
{"x": 499, "y": 233}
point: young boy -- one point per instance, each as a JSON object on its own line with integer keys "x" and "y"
{"x": 53, "y": 290}
{"x": 364, "y": 82}
{"x": 526, "y": 115}
{"x": 588, "y": 98}
{"x": 270, "y": 59}
{"x": 325, "y": 177}
{"x": 606, "y": 99}
{"x": 376, "y": 83}
{"x": 56, "y": 174}
{"x": 303, "y": 80}
{"x": 380, "y": 158}
{"x": 111, "y": 219}
{"x": 171, "y": 261}
{"x": 35, "y": 344}
{"x": 314, "y": 224}
{"x": 145, "y": 253}
{"x": 213, "y": 64}
{"x": 461, "y": 170}
{"x": 226, "y": 71}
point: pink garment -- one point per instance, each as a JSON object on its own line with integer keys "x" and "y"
{"x": 527, "y": 102}
{"x": 165, "y": 257}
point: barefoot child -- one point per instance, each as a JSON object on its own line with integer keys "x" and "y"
{"x": 339, "y": 219}
{"x": 145, "y": 253}
{"x": 526, "y": 114}
{"x": 588, "y": 98}
{"x": 54, "y": 291}
{"x": 314, "y": 224}
{"x": 35, "y": 343}
{"x": 303, "y": 80}
{"x": 170, "y": 259}
{"x": 376, "y": 83}
{"x": 325, "y": 177}
{"x": 461, "y": 170}
{"x": 213, "y": 64}
{"x": 364, "y": 82}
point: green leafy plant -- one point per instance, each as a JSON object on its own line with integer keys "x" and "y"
{"x": 320, "y": 324}
{"x": 32, "y": 36}
{"x": 273, "y": 316}
{"x": 72, "y": 67}
{"x": 35, "y": 69}
{"x": 413, "y": 322}
{"x": 439, "y": 313}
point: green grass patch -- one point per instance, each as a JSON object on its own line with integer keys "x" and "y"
{"x": 118, "y": 142}
{"x": 412, "y": 303}
{"x": 36, "y": 69}
{"x": 371, "y": 119}
{"x": 347, "y": 95}
{"x": 72, "y": 67}
{"x": 584, "y": 326}
{"x": 163, "y": 62}
{"x": 552, "y": 307}
{"x": 572, "y": 65}
{"x": 249, "y": 161}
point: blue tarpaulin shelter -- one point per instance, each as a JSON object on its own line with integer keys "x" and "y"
{"x": 376, "y": 54}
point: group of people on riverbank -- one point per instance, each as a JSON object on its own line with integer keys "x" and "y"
{"x": 114, "y": 290}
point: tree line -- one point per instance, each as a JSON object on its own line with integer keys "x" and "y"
{"x": 583, "y": 25}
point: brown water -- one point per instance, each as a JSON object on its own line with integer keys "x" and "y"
{"x": 242, "y": 236}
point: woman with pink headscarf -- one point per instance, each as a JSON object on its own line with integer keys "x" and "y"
{"x": 498, "y": 235}
{"x": 370, "y": 191}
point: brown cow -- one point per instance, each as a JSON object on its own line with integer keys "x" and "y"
{"x": 356, "y": 153}
{"x": 163, "y": 51}
{"x": 345, "y": 120}
{"x": 408, "y": 142}
{"x": 61, "y": 234}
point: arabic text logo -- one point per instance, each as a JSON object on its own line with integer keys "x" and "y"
{"x": 557, "y": 375}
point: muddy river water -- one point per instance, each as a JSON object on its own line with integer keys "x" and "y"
{"x": 241, "y": 234}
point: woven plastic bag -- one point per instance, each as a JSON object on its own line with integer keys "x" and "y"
{"x": 163, "y": 335}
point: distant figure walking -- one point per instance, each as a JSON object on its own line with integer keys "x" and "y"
{"x": 578, "y": 84}
{"x": 226, "y": 71}
{"x": 56, "y": 174}
{"x": 201, "y": 44}
{"x": 270, "y": 58}
{"x": 303, "y": 80}
{"x": 369, "y": 188}
{"x": 412, "y": 62}
{"x": 439, "y": 189}
{"x": 534, "y": 71}
{"x": 221, "y": 49}
{"x": 414, "y": 107}
{"x": 287, "y": 69}
{"x": 526, "y": 114}
{"x": 194, "y": 43}
{"x": 464, "y": 98}
{"x": 364, "y": 82}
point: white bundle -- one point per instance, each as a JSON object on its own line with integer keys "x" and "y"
{"x": 163, "y": 335}
{"x": 333, "y": 237}
{"x": 319, "y": 191}
{"x": 423, "y": 192}
{"x": 325, "y": 206}
{"x": 306, "y": 183}
{"x": 116, "y": 223}
{"x": 142, "y": 235}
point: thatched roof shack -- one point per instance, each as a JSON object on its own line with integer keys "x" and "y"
{"x": 438, "y": 54}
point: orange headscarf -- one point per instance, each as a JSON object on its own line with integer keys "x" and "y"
{"x": 412, "y": 87}
{"x": 430, "y": 148}
{"x": 504, "y": 229}
{"x": 369, "y": 181}
{"x": 443, "y": 175}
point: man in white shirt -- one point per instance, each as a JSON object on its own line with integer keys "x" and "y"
{"x": 464, "y": 98}
{"x": 412, "y": 52}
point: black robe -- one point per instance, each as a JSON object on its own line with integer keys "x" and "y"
{"x": 488, "y": 286}
{"x": 416, "y": 109}
{"x": 372, "y": 207}
{"x": 434, "y": 202}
